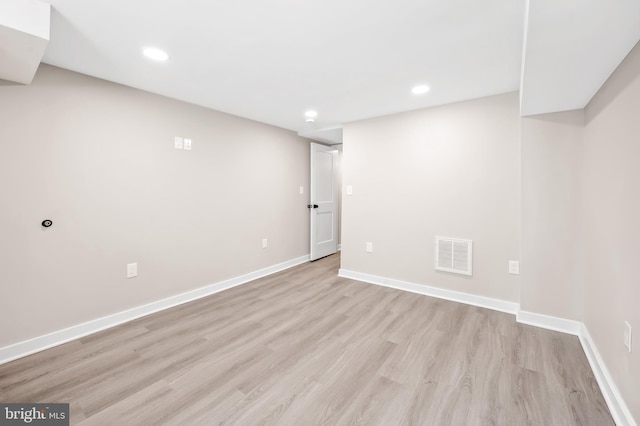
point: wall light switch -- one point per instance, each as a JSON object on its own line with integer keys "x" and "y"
{"x": 265, "y": 243}
{"x": 132, "y": 270}
{"x": 187, "y": 144}
{"x": 178, "y": 142}
{"x": 514, "y": 267}
{"x": 301, "y": 190}
{"x": 349, "y": 190}
{"x": 369, "y": 247}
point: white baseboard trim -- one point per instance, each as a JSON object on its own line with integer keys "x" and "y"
{"x": 455, "y": 296}
{"x": 619, "y": 410}
{"x": 40, "y": 343}
{"x": 550, "y": 323}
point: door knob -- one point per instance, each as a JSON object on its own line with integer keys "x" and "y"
{"x": 314, "y": 206}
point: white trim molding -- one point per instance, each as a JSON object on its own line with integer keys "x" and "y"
{"x": 619, "y": 410}
{"x": 440, "y": 293}
{"x": 550, "y": 323}
{"x": 40, "y": 343}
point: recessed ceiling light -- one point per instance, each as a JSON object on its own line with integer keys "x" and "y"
{"x": 419, "y": 90}
{"x": 311, "y": 114}
{"x": 155, "y": 54}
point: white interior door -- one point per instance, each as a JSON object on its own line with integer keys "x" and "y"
{"x": 324, "y": 201}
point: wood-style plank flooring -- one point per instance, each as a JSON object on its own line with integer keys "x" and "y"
{"x": 305, "y": 347}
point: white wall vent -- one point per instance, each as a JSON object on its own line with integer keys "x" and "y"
{"x": 454, "y": 255}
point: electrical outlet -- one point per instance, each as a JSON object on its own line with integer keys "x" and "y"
{"x": 178, "y": 142}
{"x": 132, "y": 270}
{"x": 187, "y": 144}
{"x": 627, "y": 335}
{"x": 369, "y": 247}
{"x": 514, "y": 267}
{"x": 265, "y": 243}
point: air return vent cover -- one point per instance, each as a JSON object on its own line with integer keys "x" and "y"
{"x": 454, "y": 255}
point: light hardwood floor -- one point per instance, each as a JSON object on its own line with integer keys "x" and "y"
{"x": 306, "y": 347}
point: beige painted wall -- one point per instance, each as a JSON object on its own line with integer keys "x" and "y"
{"x": 98, "y": 159}
{"x": 611, "y": 205}
{"x": 462, "y": 170}
{"x": 451, "y": 171}
{"x": 551, "y": 281}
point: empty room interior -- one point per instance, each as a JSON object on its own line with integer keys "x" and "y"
{"x": 341, "y": 212}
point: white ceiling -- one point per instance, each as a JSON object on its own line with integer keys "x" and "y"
{"x": 348, "y": 59}
{"x": 572, "y": 47}
{"x": 24, "y": 35}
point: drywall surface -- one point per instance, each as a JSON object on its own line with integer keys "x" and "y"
{"x": 611, "y": 206}
{"x": 450, "y": 171}
{"x": 98, "y": 159}
{"x": 551, "y": 279}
